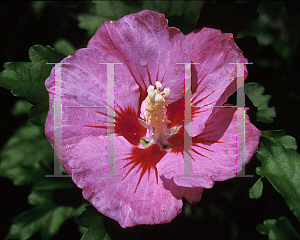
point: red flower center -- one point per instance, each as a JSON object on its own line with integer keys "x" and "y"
{"x": 157, "y": 130}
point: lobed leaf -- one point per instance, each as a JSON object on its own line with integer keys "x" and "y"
{"x": 281, "y": 166}
{"x": 26, "y": 80}
{"x": 44, "y": 218}
{"x": 254, "y": 92}
{"x": 27, "y": 156}
{"x": 91, "y": 219}
{"x": 255, "y": 191}
{"x": 64, "y": 46}
{"x": 21, "y": 107}
{"x": 278, "y": 229}
{"x": 25, "y": 159}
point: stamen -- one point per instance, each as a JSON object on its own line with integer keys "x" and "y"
{"x": 155, "y": 108}
{"x": 158, "y": 85}
{"x": 158, "y": 98}
{"x": 150, "y": 89}
{"x": 166, "y": 92}
{"x": 151, "y": 95}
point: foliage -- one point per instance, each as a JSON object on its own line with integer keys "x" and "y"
{"x": 256, "y": 190}
{"x": 281, "y": 166}
{"x": 91, "y": 219}
{"x": 101, "y": 11}
{"x": 27, "y": 156}
{"x": 26, "y": 80}
{"x": 278, "y": 229}
{"x": 254, "y": 92}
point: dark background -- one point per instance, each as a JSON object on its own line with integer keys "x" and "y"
{"x": 224, "y": 211}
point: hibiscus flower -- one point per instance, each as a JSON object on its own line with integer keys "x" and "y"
{"x": 147, "y": 183}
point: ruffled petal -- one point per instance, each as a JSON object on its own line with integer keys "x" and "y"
{"x": 191, "y": 194}
{"x": 216, "y": 154}
{"x": 214, "y": 79}
{"x": 116, "y": 197}
{"x": 84, "y": 82}
{"x": 149, "y": 48}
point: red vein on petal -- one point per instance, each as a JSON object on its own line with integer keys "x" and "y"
{"x": 149, "y": 76}
{"x": 157, "y": 72}
{"x": 197, "y": 85}
{"x": 200, "y": 154}
{"x": 176, "y": 141}
{"x": 208, "y": 104}
{"x": 211, "y": 122}
{"x": 143, "y": 81}
{"x": 202, "y": 139}
{"x": 105, "y": 114}
{"x": 204, "y": 97}
{"x": 105, "y": 127}
{"x": 163, "y": 76}
{"x": 191, "y": 156}
{"x": 194, "y": 98}
{"x": 144, "y": 90}
{"x": 197, "y": 110}
{"x": 156, "y": 174}
{"x": 146, "y": 159}
{"x": 196, "y": 145}
{"x": 201, "y": 134}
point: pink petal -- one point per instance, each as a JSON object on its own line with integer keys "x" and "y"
{"x": 115, "y": 197}
{"x": 216, "y": 156}
{"x": 84, "y": 82}
{"x": 149, "y": 48}
{"x": 191, "y": 194}
{"x": 214, "y": 79}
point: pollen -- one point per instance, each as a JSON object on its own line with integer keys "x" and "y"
{"x": 156, "y": 107}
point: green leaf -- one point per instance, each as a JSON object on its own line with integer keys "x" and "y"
{"x": 278, "y": 229}
{"x": 274, "y": 133}
{"x": 288, "y": 142}
{"x": 43, "y": 189}
{"x": 21, "y": 107}
{"x": 104, "y": 10}
{"x": 64, "y": 46}
{"x": 91, "y": 219}
{"x": 255, "y": 191}
{"x": 254, "y": 92}
{"x": 44, "y": 218}
{"x": 26, "y": 80}
{"x": 281, "y": 166}
{"x": 27, "y": 156}
{"x": 186, "y": 11}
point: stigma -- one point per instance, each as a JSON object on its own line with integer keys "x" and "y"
{"x": 155, "y": 114}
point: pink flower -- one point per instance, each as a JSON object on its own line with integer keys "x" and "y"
{"x": 149, "y": 97}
